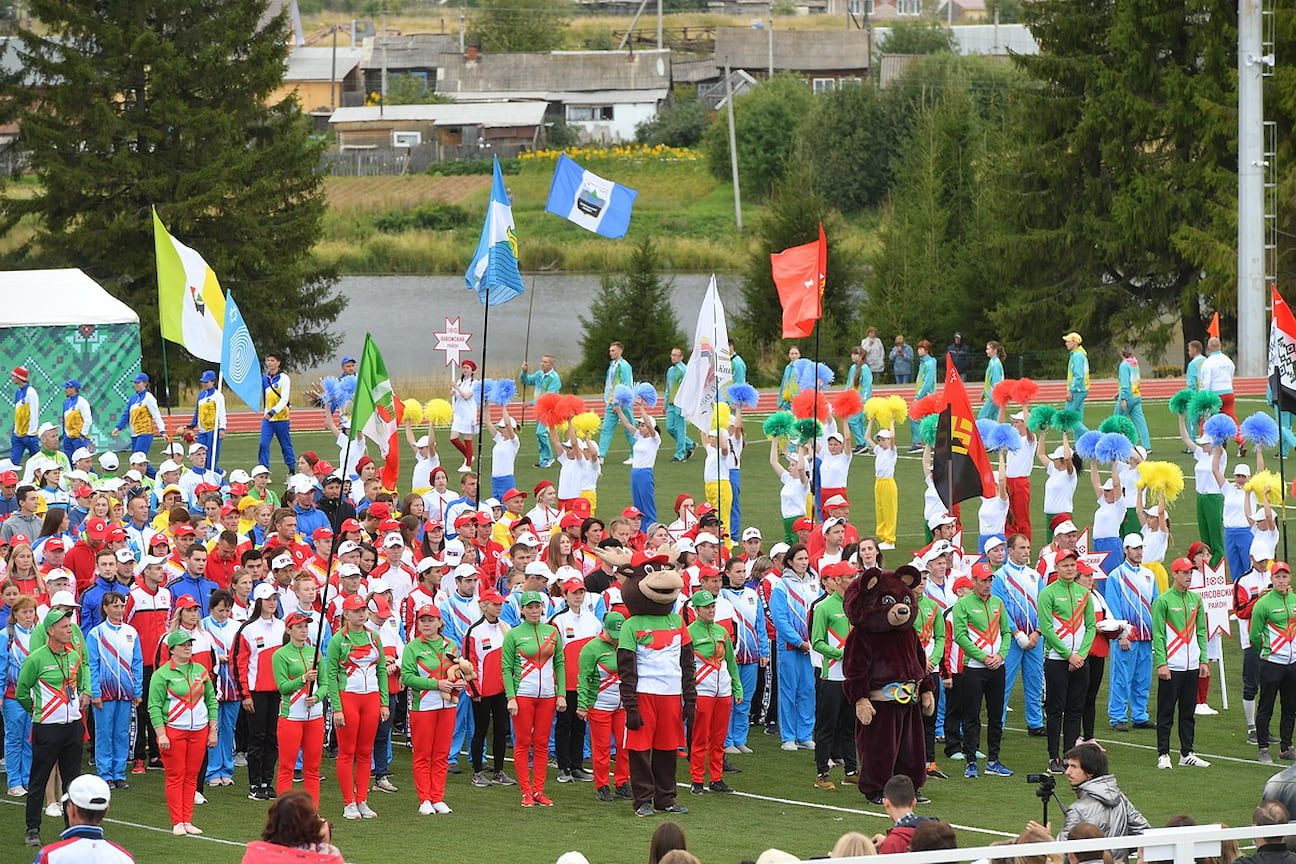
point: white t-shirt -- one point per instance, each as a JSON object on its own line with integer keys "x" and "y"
{"x": 1202, "y": 472}
{"x": 436, "y": 503}
{"x": 1129, "y": 475}
{"x": 713, "y": 469}
{"x": 1059, "y": 490}
{"x": 644, "y": 451}
{"x": 1155, "y": 544}
{"x": 1237, "y": 503}
{"x": 423, "y": 468}
{"x": 1021, "y": 460}
{"x": 570, "y": 476}
{"x": 1108, "y": 518}
{"x": 834, "y": 469}
{"x": 591, "y": 470}
{"x": 737, "y": 443}
{"x": 992, "y": 516}
{"x": 504, "y": 454}
{"x": 792, "y": 497}
{"x": 884, "y": 462}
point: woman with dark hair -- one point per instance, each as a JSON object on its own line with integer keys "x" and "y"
{"x": 667, "y": 836}
{"x": 259, "y": 636}
{"x": 293, "y": 821}
{"x": 368, "y": 559}
{"x": 789, "y": 605}
{"x": 433, "y": 538}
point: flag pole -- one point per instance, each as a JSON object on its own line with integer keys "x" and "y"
{"x": 166, "y": 391}
{"x": 1282, "y": 463}
{"x": 526, "y": 350}
{"x": 214, "y": 465}
{"x": 481, "y": 403}
{"x": 814, "y": 453}
{"x": 715, "y": 414}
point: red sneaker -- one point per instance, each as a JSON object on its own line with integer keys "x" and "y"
{"x": 528, "y": 800}
{"x": 543, "y": 800}
{"x": 138, "y": 767}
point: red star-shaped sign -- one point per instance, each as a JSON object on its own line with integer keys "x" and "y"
{"x": 452, "y": 342}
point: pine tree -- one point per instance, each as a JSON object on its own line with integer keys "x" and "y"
{"x": 127, "y": 104}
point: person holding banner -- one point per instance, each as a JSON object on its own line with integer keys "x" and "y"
{"x": 618, "y": 372}
{"x": 545, "y": 381}
{"x": 1179, "y": 656}
{"x": 276, "y": 390}
{"x": 208, "y": 423}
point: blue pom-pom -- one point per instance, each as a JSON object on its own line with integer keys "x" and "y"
{"x": 646, "y": 393}
{"x": 333, "y": 392}
{"x": 500, "y": 391}
{"x": 1260, "y": 429}
{"x": 477, "y": 389}
{"x": 623, "y": 396}
{"x": 1113, "y": 447}
{"x": 348, "y": 386}
{"x": 826, "y": 374}
{"x": 805, "y": 373}
{"x": 1087, "y": 444}
{"x": 743, "y": 394}
{"x": 1220, "y": 428}
{"x": 1006, "y": 437}
{"x": 986, "y": 428}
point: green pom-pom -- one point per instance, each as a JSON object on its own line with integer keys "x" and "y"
{"x": 779, "y": 424}
{"x": 1041, "y": 417}
{"x": 1123, "y": 425}
{"x": 1204, "y": 404}
{"x": 1180, "y": 402}
{"x": 809, "y": 429}
{"x": 1066, "y": 420}
{"x": 927, "y": 428}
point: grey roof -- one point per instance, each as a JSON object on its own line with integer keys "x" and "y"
{"x": 415, "y": 51}
{"x": 566, "y": 71}
{"x": 797, "y": 50}
{"x": 315, "y": 63}
{"x": 488, "y": 114}
{"x": 569, "y": 97}
{"x": 983, "y": 38}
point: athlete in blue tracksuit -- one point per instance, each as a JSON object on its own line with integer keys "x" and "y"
{"x": 1018, "y": 586}
{"x": 1129, "y": 591}
{"x": 208, "y": 420}
{"x": 459, "y": 613}
{"x": 116, "y": 684}
{"x": 274, "y": 417}
{"x": 142, "y": 416}
{"x": 15, "y": 645}
{"x": 618, "y": 372}
{"x": 751, "y": 645}
{"x": 789, "y": 604}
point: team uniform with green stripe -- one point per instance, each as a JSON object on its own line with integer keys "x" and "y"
{"x": 1178, "y": 643}
{"x": 1067, "y": 622}
{"x": 834, "y": 727}
{"x": 1273, "y": 635}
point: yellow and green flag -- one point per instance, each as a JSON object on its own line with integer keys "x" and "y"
{"x": 190, "y": 303}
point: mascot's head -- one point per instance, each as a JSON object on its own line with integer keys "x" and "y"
{"x": 650, "y": 582}
{"x": 883, "y": 600}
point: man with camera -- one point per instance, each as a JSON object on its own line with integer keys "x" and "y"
{"x": 1098, "y": 798}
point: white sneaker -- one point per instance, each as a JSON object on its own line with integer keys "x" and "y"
{"x": 350, "y": 811}
{"x": 628, "y": 462}
{"x": 442, "y": 808}
{"x": 886, "y": 546}
{"x": 732, "y": 750}
{"x": 743, "y": 748}
{"x": 53, "y": 810}
{"x": 365, "y": 810}
{"x": 191, "y": 828}
{"x": 240, "y": 760}
{"x": 178, "y": 829}
{"x": 200, "y": 798}
{"x": 1163, "y": 761}
{"x": 1204, "y": 710}
{"x": 425, "y": 809}
{"x": 789, "y": 745}
{"x": 1194, "y": 760}
{"x": 464, "y": 468}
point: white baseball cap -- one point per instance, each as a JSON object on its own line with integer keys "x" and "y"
{"x": 751, "y": 533}
{"x": 63, "y": 598}
{"x": 463, "y": 570}
{"x": 882, "y": 433}
{"x": 1058, "y": 453}
{"x": 238, "y": 475}
{"x": 348, "y": 570}
{"x": 108, "y": 461}
{"x": 79, "y": 454}
{"x": 684, "y": 544}
{"x": 168, "y": 465}
{"x": 939, "y": 521}
{"x": 490, "y": 504}
{"x": 378, "y": 586}
{"x": 174, "y": 449}
{"x": 705, "y": 537}
{"x": 779, "y": 548}
{"x": 992, "y": 543}
{"x": 88, "y": 792}
{"x": 428, "y": 563}
{"x": 282, "y": 561}
{"x": 529, "y": 540}
{"x": 539, "y": 568}
{"x": 453, "y": 551}
{"x": 1132, "y": 541}
{"x": 1066, "y": 526}
{"x": 136, "y": 458}
{"x": 263, "y": 591}
{"x": 1242, "y": 468}
{"x": 392, "y": 540}
{"x": 421, "y": 441}
{"x": 348, "y": 546}
{"x": 46, "y": 427}
{"x": 939, "y": 548}
{"x": 125, "y": 556}
{"x": 260, "y": 469}
{"x": 196, "y": 446}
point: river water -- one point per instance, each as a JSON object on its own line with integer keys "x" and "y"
{"x": 403, "y": 313}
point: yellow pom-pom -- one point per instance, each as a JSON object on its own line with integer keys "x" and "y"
{"x": 587, "y": 424}
{"x": 1162, "y": 479}
{"x": 413, "y": 411}
{"x": 1267, "y": 486}
{"x": 561, "y": 431}
{"x": 878, "y": 410}
{"x": 438, "y": 412}
{"x": 724, "y": 416}
{"x": 899, "y": 408}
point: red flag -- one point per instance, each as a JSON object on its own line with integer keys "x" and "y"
{"x": 1212, "y": 329}
{"x": 799, "y": 276}
{"x": 1282, "y": 354}
{"x": 960, "y": 465}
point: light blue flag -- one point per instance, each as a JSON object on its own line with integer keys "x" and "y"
{"x": 493, "y": 273}
{"x": 239, "y": 362}
{"x": 590, "y": 201}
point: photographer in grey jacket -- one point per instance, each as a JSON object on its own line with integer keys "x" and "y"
{"x": 1098, "y": 798}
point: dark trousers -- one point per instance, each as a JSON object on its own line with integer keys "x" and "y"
{"x": 54, "y": 745}
{"x": 145, "y": 736}
{"x": 241, "y": 731}
{"x": 1276, "y": 679}
{"x": 1096, "y": 666}
{"x": 492, "y": 711}
{"x": 834, "y": 732}
{"x": 979, "y": 684}
{"x": 569, "y": 737}
{"x": 765, "y": 710}
{"x": 1250, "y": 673}
{"x": 263, "y": 738}
{"x": 954, "y": 716}
{"x": 1178, "y": 692}
{"x": 929, "y": 723}
{"x": 652, "y": 777}
{"x": 1064, "y": 701}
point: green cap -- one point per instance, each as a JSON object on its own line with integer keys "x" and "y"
{"x": 53, "y": 616}
{"x": 612, "y": 622}
{"x": 529, "y": 597}
{"x": 702, "y": 598}
{"x": 179, "y": 637}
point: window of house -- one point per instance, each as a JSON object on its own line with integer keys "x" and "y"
{"x": 908, "y": 7}
{"x": 578, "y": 113}
{"x": 823, "y": 85}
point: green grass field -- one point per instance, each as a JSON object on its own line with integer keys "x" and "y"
{"x": 777, "y": 806}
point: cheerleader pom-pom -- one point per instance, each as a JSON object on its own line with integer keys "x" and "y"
{"x": 804, "y": 369}
{"x": 723, "y": 416}
{"x": 899, "y": 408}
{"x": 438, "y": 412}
{"x": 623, "y": 396}
{"x": 571, "y": 406}
{"x": 1113, "y": 447}
{"x": 1025, "y": 391}
{"x": 779, "y": 424}
{"x": 1005, "y": 437}
{"x": 878, "y": 410}
{"x": 806, "y": 406}
{"x": 1266, "y": 486}
{"x": 1041, "y": 417}
{"x": 548, "y": 409}
{"x": 1204, "y": 404}
{"x": 1087, "y": 444}
{"x": 587, "y": 424}
{"x": 1164, "y": 479}
{"x": 1001, "y": 393}
{"x": 1180, "y": 402}
{"x": 825, "y": 373}
{"x": 505, "y": 390}
{"x": 927, "y": 429}
{"x": 1066, "y": 420}
{"x": 808, "y": 429}
{"x": 1121, "y": 425}
{"x": 333, "y": 392}
{"x": 1220, "y": 428}
{"x": 929, "y": 404}
{"x": 986, "y": 429}
{"x": 743, "y": 394}
{"x": 1260, "y": 430}
{"x": 413, "y": 411}
{"x": 846, "y": 403}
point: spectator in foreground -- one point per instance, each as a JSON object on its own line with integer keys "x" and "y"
{"x": 1088, "y": 831}
{"x": 1229, "y": 851}
{"x": 85, "y": 805}
{"x": 294, "y": 822}
{"x": 852, "y": 844}
{"x": 933, "y": 834}
{"x": 667, "y": 836}
{"x": 1270, "y": 849}
{"x": 898, "y": 799}
{"x": 1098, "y": 798}
{"x": 680, "y": 856}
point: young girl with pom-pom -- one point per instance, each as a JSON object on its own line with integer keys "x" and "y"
{"x": 1155, "y": 522}
{"x": 1238, "y": 507}
{"x": 1109, "y": 515}
{"x": 425, "y": 457}
{"x": 715, "y": 472}
{"x": 504, "y": 453}
{"x": 1129, "y": 399}
{"x": 993, "y": 375}
{"x": 591, "y": 471}
{"x": 992, "y": 516}
{"x": 464, "y": 425}
{"x": 860, "y": 379}
{"x": 348, "y": 456}
{"x": 1210, "y": 460}
{"x": 925, "y": 385}
{"x": 886, "y": 497}
{"x": 834, "y": 463}
{"x": 571, "y": 472}
{"x": 795, "y": 487}
{"x": 1061, "y": 482}
{"x": 1018, "y": 471}
{"x": 643, "y": 452}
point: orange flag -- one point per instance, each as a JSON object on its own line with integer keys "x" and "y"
{"x": 1212, "y": 329}
{"x": 799, "y": 276}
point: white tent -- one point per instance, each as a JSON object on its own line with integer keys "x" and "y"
{"x": 45, "y": 298}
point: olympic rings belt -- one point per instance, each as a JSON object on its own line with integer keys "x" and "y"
{"x": 903, "y": 692}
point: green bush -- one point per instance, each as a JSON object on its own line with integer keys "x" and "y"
{"x": 457, "y": 167}
{"x": 426, "y": 217}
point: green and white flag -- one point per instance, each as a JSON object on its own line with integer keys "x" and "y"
{"x": 377, "y": 413}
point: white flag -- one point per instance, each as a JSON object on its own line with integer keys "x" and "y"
{"x": 709, "y": 370}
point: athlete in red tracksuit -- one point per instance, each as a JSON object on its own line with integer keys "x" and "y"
{"x": 254, "y": 647}
{"x": 599, "y": 704}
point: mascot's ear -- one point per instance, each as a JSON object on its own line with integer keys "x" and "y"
{"x": 614, "y": 557}
{"x": 868, "y": 580}
{"x": 908, "y": 574}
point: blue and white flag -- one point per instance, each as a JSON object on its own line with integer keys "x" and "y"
{"x": 493, "y": 273}
{"x": 590, "y": 201}
{"x": 240, "y": 365}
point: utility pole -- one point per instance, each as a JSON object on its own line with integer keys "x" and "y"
{"x": 733, "y": 144}
{"x": 1252, "y": 341}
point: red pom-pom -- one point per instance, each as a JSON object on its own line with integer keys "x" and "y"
{"x": 1003, "y": 392}
{"x": 548, "y": 409}
{"x": 929, "y": 404}
{"x": 1025, "y": 391}
{"x": 571, "y": 406}
{"x": 847, "y": 403}
{"x": 804, "y": 404}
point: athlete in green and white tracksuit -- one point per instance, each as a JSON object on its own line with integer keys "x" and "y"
{"x": 1179, "y": 658}
{"x": 1273, "y": 635}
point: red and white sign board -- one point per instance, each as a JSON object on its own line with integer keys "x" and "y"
{"x": 452, "y": 342}
{"x": 1217, "y": 595}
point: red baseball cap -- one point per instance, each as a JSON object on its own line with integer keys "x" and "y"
{"x": 803, "y": 524}
{"x": 841, "y": 568}
{"x": 484, "y": 519}
{"x": 490, "y": 595}
{"x": 389, "y": 525}
{"x": 379, "y": 604}
{"x": 1181, "y": 565}
{"x": 186, "y": 601}
{"x": 1063, "y": 554}
{"x": 96, "y": 528}
{"x": 571, "y": 520}
{"x": 54, "y": 543}
{"x": 8, "y": 478}
{"x": 19, "y": 538}
{"x": 351, "y": 525}
{"x": 573, "y": 584}
{"x": 230, "y": 507}
{"x": 514, "y": 493}
{"x": 982, "y": 570}
{"x": 705, "y": 508}
{"x": 427, "y": 610}
{"x": 464, "y": 517}
{"x": 85, "y": 492}
{"x": 679, "y": 501}
{"x": 1279, "y": 565}
{"x": 379, "y": 509}
{"x": 204, "y": 488}
{"x": 298, "y": 617}
{"x": 181, "y": 530}
{"x": 323, "y": 468}
{"x": 631, "y": 512}
{"x": 238, "y": 490}
{"x": 117, "y": 533}
{"x": 962, "y": 582}
{"x": 321, "y": 533}
{"x": 353, "y": 602}
{"x": 582, "y": 507}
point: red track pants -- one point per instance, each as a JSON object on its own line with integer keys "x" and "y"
{"x": 1019, "y": 497}
{"x": 306, "y": 736}
{"x": 531, "y": 728}
{"x": 182, "y": 761}
{"x": 606, "y": 727}
{"x": 355, "y": 744}
{"x": 710, "y": 726}
{"x": 431, "y": 732}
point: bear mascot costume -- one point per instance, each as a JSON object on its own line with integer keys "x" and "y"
{"x": 655, "y": 663}
{"x": 886, "y": 678}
